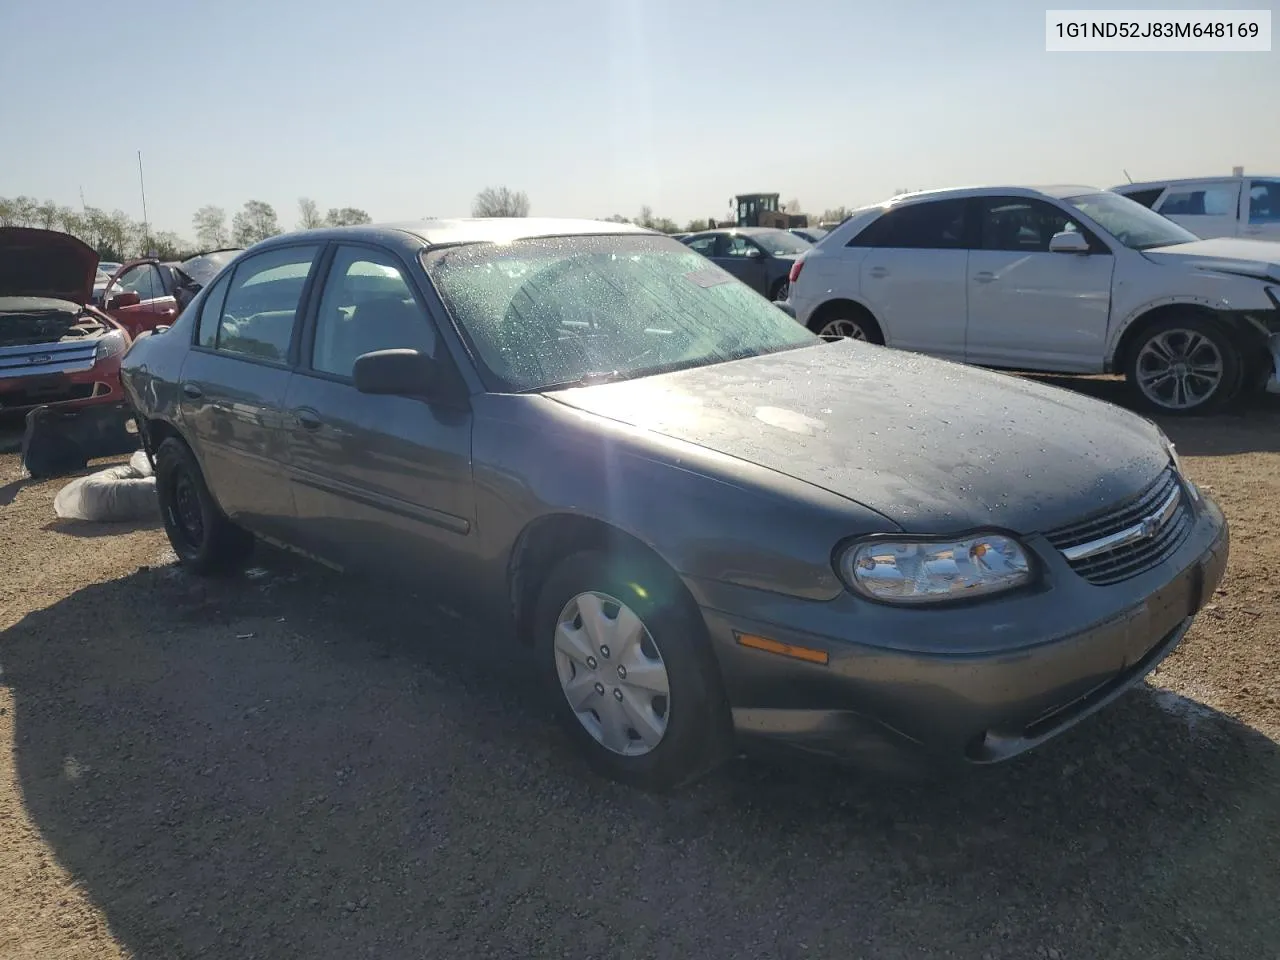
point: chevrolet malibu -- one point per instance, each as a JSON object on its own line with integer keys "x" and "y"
{"x": 712, "y": 527}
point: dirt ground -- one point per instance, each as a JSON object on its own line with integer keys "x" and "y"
{"x": 291, "y": 764}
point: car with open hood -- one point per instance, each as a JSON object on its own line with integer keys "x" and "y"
{"x": 710, "y": 525}
{"x": 1063, "y": 279}
{"x": 55, "y": 347}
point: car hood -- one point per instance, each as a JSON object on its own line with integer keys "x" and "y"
{"x": 46, "y": 263}
{"x": 934, "y": 446}
{"x": 1250, "y": 258}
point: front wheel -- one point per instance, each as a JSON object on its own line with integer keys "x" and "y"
{"x": 626, "y": 661}
{"x": 1185, "y": 367}
{"x": 199, "y": 532}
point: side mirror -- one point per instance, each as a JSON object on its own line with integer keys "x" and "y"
{"x": 754, "y": 254}
{"x": 123, "y": 300}
{"x": 1069, "y": 241}
{"x": 404, "y": 373}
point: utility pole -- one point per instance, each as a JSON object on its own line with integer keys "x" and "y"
{"x": 146, "y": 236}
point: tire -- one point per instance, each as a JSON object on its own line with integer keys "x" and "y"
{"x": 1162, "y": 364}
{"x": 205, "y": 541}
{"x": 693, "y": 716}
{"x": 846, "y": 325}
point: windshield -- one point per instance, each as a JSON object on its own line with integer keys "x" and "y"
{"x": 202, "y": 268}
{"x": 1130, "y": 222}
{"x": 780, "y": 243}
{"x": 573, "y": 310}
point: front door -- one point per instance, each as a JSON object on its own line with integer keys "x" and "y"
{"x": 1208, "y": 209}
{"x": 743, "y": 258}
{"x": 1262, "y": 213}
{"x": 1029, "y": 308}
{"x": 913, "y": 276}
{"x": 233, "y": 385}
{"x": 156, "y": 304}
{"x": 380, "y": 482}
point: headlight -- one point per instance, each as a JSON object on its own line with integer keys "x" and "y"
{"x": 911, "y": 571}
{"x": 110, "y": 345}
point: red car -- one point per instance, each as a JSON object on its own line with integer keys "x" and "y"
{"x": 55, "y": 348}
{"x": 148, "y": 293}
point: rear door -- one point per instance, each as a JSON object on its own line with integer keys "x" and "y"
{"x": 1208, "y": 208}
{"x": 380, "y": 482}
{"x": 156, "y": 304}
{"x": 1262, "y": 210}
{"x": 1029, "y": 308}
{"x": 914, "y": 276}
{"x": 234, "y": 380}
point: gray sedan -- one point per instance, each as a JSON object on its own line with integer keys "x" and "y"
{"x": 711, "y": 527}
{"x": 760, "y": 257}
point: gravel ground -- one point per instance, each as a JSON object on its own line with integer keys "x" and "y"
{"x": 294, "y": 765}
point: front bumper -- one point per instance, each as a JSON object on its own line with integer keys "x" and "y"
{"x": 99, "y": 385}
{"x": 913, "y": 689}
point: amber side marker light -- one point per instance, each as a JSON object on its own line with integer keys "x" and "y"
{"x": 807, "y": 654}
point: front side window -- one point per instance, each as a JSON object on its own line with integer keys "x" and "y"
{"x": 781, "y": 243}
{"x": 366, "y": 306}
{"x": 1130, "y": 223}
{"x": 704, "y": 245}
{"x": 1212, "y": 200}
{"x": 1018, "y": 224}
{"x": 262, "y": 303}
{"x": 1264, "y": 201}
{"x": 144, "y": 280}
{"x": 736, "y": 245}
{"x": 934, "y": 225}
{"x": 568, "y": 310}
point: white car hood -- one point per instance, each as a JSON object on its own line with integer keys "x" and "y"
{"x": 1249, "y": 258}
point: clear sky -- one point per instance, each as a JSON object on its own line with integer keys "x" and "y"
{"x": 407, "y": 108}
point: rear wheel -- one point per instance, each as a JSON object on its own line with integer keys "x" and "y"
{"x": 1185, "y": 366}
{"x": 847, "y": 323}
{"x": 200, "y": 534}
{"x": 625, "y": 658}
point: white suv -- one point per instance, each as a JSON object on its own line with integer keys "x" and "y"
{"x": 1061, "y": 280}
{"x": 1214, "y": 206}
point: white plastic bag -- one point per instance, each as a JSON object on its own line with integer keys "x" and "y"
{"x": 116, "y": 494}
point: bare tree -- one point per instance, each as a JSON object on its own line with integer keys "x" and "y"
{"x": 616, "y": 218}
{"x": 256, "y": 221}
{"x": 346, "y": 217}
{"x": 210, "y": 225}
{"x": 500, "y": 202}
{"x": 308, "y": 214}
{"x": 792, "y": 206}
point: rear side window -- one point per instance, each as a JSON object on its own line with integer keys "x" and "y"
{"x": 210, "y": 310}
{"x": 936, "y": 225}
{"x": 704, "y": 245}
{"x": 1207, "y": 201}
{"x": 1145, "y": 197}
{"x": 262, "y": 302}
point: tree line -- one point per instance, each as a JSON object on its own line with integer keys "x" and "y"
{"x": 117, "y": 236}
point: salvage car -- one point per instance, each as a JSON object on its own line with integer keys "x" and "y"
{"x": 1055, "y": 280}
{"x": 711, "y": 526}
{"x": 55, "y": 347}
{"x": 147, "y": 293}
{"x": 1214, "y": 206}
{"x": 761, "y": 257}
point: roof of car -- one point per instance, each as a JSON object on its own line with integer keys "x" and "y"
{"x": 467, "y": 230}
{"x": 1161, "y": 184}
{"x": 1057, "y": 191}
{"x": 746, "y": 231}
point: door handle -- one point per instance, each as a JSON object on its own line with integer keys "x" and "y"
{"x": 986, "y": 276}
{"x": 307, "y": 418}
{"x": 191, "y": 391}
{"x": 879, "y": 271}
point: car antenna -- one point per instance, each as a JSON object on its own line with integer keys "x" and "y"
{"x": 1126, "y": 175}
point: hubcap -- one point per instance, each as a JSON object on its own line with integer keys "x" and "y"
{"x": 1179, "y": 369}
{"x": 612, "y": 674}
{"x": 842, "y": 330}
{"x": 186, "y": 509}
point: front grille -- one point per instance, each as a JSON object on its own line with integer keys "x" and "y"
{"x": 1128, "y": 559}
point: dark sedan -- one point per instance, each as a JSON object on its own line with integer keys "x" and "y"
{"x": 710, "y": 525}
{"x": 760, "y": 257}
